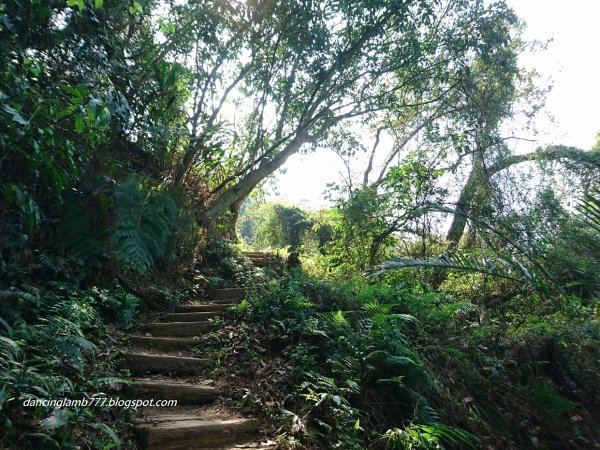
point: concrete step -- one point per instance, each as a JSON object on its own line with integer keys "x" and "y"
{"x": 250, "y": 445}
{"x": 163, "y": 343}
{"x": 178, "y": 329}
{"x": 261, "y": 262}
{"x": 184, "y": 393}
{"x": 205, "y": 307}
{"x": 193, "y": 433}
{"x": 223, "y": 301}
{"x": 197, "y": 316}
{"x": 143, "y": 362}
{"x": 227, "y": 293}
{"x": 259, "y": 255}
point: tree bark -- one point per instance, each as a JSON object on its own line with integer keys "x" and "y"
{"x": 472, "y": 195}
{"x": 242, "y": 189}
{"x": 464, "y": 206}
{"x": 475, "y": 182}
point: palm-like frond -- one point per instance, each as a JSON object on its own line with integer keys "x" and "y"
{"x": 589, "y": 207}
{"x": 498, "y": 267}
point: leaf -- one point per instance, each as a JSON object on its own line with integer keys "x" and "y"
{"x": 66, "y": 112}
{"x": 79, "y": 4}
{"x": 56, "y": 420}
{"x": 137, "y": 7}
{"x": 94, "y": 106}
{"x": 15, "y": 115}
{"x": 108, "y": 430}
{"x": 7, "y": 23}
{"x": 98, "y": 4}
{"x": 104, "y": 117}
{"x": 3, "y": 396}
{"x": 78, "y": 124}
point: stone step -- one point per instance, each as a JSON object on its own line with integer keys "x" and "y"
{"x": 193, "y": 316}
{"x": 204, "y": 307}
{"x": 223, "y": 301}
{"x": 227, "y": 293}
{"x": 178, "y": 328}
{"x": 259, "y": 255}
{"x": 143, "y": 362}
{"x": 250, "y": 445}
{"x": 184, "y": 393}
{"x": 163, "y": 343}
{"x": 262, "y": 262}
{"x": 193, "y": 433}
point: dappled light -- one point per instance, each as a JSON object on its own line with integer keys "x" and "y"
{"x": 442, "y": 292}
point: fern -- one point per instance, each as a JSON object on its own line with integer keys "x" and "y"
{"x": 375, "y": 308}
{"x": 338, "y": 319}
{"x": 425, "y": 437}
{"x": 589, "y": 207}
{"x": 145, "y": 221}
{"x": 82, "y": 234}
{"x": 497, "y": 267}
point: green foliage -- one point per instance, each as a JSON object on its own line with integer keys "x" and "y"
{"x": 351, "y": 354}
{"x": 206, "y": 99}
{"x": 590, "y": 209}
{"x": 228, "y": 266}
{"x": 145, "y": 218}
{"x": 568, "y": 244}
{"x": 274, "y": 225}
{"x": 55, "y": 110}
{"x": 86, "y": 226}
{"x": 53, "y": 345}
{"x": 546, "y": 399}
{"x": 428, "y": 437}
{"x": 372, "y": 218}
{"x": 469, "y": 262}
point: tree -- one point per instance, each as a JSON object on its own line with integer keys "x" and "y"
{"x": 274, "y": 225}
{"x": 59, "y": 107}
{"x": 476, "y": 191}
{"x": 371, "y": 217}
{"x": 271, "y": 78}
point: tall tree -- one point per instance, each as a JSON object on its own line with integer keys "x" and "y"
{"x": 272, "y": 78}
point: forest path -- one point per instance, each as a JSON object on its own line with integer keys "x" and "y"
{"x": 162, "y": 357}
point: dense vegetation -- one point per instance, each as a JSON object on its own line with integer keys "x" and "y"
{"x": 449, "y": 298}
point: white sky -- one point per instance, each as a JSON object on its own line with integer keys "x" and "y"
{"x": 572, "y": 62}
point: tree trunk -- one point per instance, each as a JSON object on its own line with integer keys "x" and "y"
{"x": 242, "y": 188}
{"x": 235, "y": 213}
{"x": 475, "y": 193}
{"x": 463, "y": 209}
{"x": 464, "y": 206}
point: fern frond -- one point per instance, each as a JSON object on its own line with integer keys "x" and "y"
{"x": 338, "y": 319}
{"x": 145, "y": 221}
{"x": 375, "y": 307}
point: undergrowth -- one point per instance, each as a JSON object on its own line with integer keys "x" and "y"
{"x": 394, "y": 365}
{"x": 54, "y": 345}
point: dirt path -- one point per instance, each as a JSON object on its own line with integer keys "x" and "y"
{"x": 161, "y": 357}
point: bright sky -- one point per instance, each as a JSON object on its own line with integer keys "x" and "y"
{"x": 571, "y": 62}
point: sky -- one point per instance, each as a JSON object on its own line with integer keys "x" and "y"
{"x": 571, "y": 64}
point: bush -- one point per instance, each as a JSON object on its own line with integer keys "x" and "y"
{"x": 54, "y": 345}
